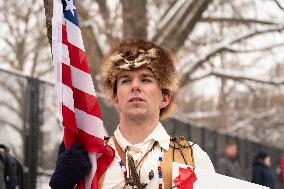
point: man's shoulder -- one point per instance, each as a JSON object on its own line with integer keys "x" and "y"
{"x": 201, "y": 158}
{"x": 179, "y": 142}
{"x": 222, "y": 161}
{"x": 184, "y": 143}
{"x": 258, "y": 167}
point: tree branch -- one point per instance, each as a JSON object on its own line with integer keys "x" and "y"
{"x": 240, "y": 76}
{"x": 38, "y": 46}
{"x": 221, "y": 48}
{"x": 5, "y": 58}
{"x": 7, "y": 123}
{"x": 240, "y": 124}
{"x": 278, "y": 4}
{"x": 11, "y": 91}
{"x": 237, "y": 20}
{"x": 253, "y": 34}
{"x": 43, "y": 72}
{"x": 255, "y": 50}
{"x": 176, "y": 28}
{"x": 200, "y": 77}
{"x": 103, "y": 9}
{"x": 10, "y": 44}
{"x": 228, "y": 74}
{"x": 11, "y": 108}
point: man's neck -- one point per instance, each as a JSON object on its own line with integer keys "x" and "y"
{"x": 136, "y": 133}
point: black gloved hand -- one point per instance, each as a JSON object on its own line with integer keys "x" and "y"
{"x": 72, "y": 166}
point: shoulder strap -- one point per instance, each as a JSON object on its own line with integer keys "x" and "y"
{"x": 180, "y": 151}
{"x": 119, "y": 150}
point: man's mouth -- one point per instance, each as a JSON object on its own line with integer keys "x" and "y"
{"x": 136, "y": 99}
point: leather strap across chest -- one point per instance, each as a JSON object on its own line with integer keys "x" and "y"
{"x": 119, "y": 150}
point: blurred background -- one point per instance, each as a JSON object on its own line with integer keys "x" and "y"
{"x": 229, "y": 58}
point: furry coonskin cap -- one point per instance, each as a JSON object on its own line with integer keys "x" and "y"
{"x": 134, "y": 53}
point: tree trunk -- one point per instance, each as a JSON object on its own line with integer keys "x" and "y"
{"x": 222, "y": 122}
{"x": 134, "y": 18}
{"x": 175, "y": 31}
{"x": 48, "y": 4}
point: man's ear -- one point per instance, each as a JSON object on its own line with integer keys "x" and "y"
{"x": 166, "y": 99}
{"x": 115, "y": 102}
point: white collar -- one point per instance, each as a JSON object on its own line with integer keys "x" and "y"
{"x": 159, "y": 134}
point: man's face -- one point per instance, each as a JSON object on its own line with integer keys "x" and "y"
{"x": 267, "y": 161}
{"x": 139, "y": 96}
{"x": 232, "y": 150}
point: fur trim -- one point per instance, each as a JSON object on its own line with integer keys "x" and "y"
{"x": 134, "y": 53}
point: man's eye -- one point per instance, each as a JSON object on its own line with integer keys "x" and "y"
{"x": 124, "y": 81}
{"x": 146, "y": 80}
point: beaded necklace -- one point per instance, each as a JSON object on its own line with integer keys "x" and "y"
{"x": 160, "y": 171}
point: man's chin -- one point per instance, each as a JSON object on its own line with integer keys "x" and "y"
{"x": 137, "y": 116}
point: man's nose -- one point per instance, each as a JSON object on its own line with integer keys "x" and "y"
{"x": 136, "y": 84}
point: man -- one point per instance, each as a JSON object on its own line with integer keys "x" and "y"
{"x": 262, "y": 173}
{"x": 141, "y": 80}
{"x": 228, "y": 164}
{"x": 11, "y": 173}
{"x": 2, "y": 167}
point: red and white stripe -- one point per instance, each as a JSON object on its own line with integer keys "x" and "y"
{"x": 79, "y": 109}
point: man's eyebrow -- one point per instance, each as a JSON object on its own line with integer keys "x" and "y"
{"x": 148, "y": 75}
{"x": 123, "y": 76}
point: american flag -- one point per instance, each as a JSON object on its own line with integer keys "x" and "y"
{"x": 79, "y": 110}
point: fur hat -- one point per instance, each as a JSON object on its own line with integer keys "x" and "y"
{"x": 133, "y": 53}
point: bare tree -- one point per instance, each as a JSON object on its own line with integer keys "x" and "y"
{"x": 192, "y": 29}
{"x": 229, "y": 58}
{"x": 24, "y": 49}
{"x": 134, "y": 23}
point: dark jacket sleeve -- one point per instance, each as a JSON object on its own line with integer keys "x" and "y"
{"x": 257, "y": 175}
